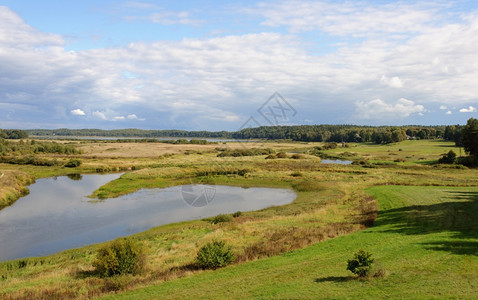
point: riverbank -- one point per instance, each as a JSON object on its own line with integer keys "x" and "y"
{"x": 13, "y": 185}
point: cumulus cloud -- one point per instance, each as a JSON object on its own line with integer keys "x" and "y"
{"x": 379, "y": 109}
{"x": 77, "y": 112}
{"x": 394, "y": 82}
{"x": 449, "y": 112}
{"x": 134, "y": 117}
{"x": 443, "y": 107}
{"x": 470, "y": 109}
{"x": 99, "y": 115}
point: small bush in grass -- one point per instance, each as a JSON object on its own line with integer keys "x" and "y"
{"x": 361, "y": 264}
{"x": 297, "y": 156}
{"x": 282, "y": 155}
{"x": 214, "y": 255}
{"x": 237, "y": 214}
{"x": 219, "y": 219}
{"x": 123, "y": 256}
{"x": 73, "y": 163}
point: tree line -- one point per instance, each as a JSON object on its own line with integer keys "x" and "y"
{"x": 305, "y": 133}
{"x": 342, "y": 133}
{"x": 13, "y": 134}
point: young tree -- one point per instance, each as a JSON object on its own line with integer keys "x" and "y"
{"x": 470, "y": 137}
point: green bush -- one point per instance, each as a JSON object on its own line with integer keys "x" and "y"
{"x": 448, "y": 158}
{"x": 122, "y": 256}
{"x": 219, "y": 219}
{"x": 361, "y": 264}
{"x": 237, "y": 214}
{"x": 73, "y": 163}
{"x": 214, "y": 255}
{"x": 331, "y": 145}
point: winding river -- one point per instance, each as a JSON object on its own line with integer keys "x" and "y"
{"x": 57, "y": 215}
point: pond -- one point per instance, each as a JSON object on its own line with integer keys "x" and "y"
{"x": 57, "y": 215}
{"x": 336, "y": 161}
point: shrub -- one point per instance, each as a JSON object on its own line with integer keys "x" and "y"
{"x": 469, "y": 161}
{"x": 214, "y": 255}
{"x": 361, "y": 264}
{"x": 448, "y": 158}
{"x": 219, "y": 219}
{"x": 73, "y": 163}
{"x": 331, "y": 145}
{"x": 237, "y": 214}
{"x": 123, "y": 256}
{"x": 282, "y": 155}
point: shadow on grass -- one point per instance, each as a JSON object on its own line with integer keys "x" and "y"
{"x": 459, "y": 216}
{"x": 337, "y": 279}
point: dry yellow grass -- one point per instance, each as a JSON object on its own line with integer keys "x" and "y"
{"x": 154, "y": 150}
{"x": 12, "y": 186}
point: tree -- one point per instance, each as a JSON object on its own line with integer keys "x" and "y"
{"x": 361, "y": 264}
{"x": 448, "y": 158}
{"x": 469, "y": 137}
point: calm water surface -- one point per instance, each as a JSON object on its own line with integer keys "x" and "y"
{"x": 57, "y": 215}
{"x": 336, "y": 161}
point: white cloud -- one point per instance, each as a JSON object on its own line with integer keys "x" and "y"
{"x": 394, "y": 82}
{"x": 443, "y": 107}
{"x": 15, "y": 33}
{"x": 134, "y": 11}
{"x": 449, "y": 112}
{"x": 118, "y": 118}
{"x": 468, "y": 110}
{"x": 134, "y": 117}
{"x": 77, "y": 112}
{"x": 99, "y": 115}
{"x": 355, "y": 18}
{"x": 380, "y": 110}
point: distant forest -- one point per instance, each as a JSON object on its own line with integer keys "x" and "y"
{"x": 305, "y": 133}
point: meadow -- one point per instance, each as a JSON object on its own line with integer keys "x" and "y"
{"x": 424, "y": 238}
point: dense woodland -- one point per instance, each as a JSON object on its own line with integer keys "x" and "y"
{"x": 305, "y": 133}
{"x": 13, "y": 134}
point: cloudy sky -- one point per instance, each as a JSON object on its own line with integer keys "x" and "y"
{"x": 211, "y": 65}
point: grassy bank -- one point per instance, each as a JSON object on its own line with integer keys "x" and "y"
{"x": 13, "y": 184}
{"x": 425, "y": 240}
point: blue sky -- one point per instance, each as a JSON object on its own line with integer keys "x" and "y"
{"x": 211, "y": 65}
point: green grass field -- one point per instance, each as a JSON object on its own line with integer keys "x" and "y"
{"x": 425, "y": 238}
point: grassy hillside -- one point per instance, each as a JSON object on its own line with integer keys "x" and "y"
{"x": 425, "y": 238}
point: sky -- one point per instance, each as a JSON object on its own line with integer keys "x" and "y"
{"x": 227, "y": 65}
